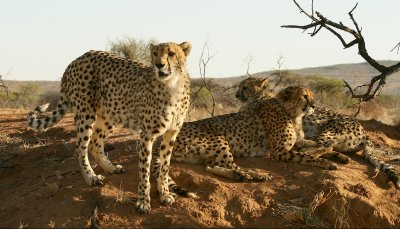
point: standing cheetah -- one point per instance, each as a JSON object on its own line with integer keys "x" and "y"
{"x": 273, "y": 124}
{"x": 336, "y": 132}
{"x": 103, "y": 90}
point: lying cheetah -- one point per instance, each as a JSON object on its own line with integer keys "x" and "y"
{"x": 103, "y": 90}
{"x": 273, "y": 123}
{"x": 337, "y": 132}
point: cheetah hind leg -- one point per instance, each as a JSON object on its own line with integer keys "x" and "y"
{"x": 310, "y": 157}
{"x": 96, "y": 146}
{"x": 84, "y": 129}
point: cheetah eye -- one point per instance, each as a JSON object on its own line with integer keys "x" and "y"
{"x": 155, "y": 53}
{"x": 171, "y": 54}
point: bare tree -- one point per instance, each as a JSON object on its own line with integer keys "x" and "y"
{"x": 363, "y": 92}
{"x": 247, "y": 60}
{"x": 3, "y": 85}
{"x": 279, "y": 73}
{"x": 204, "y": 59}
{"x": 396, "y": 47}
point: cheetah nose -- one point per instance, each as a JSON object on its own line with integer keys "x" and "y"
{"x": 159, "y": 65}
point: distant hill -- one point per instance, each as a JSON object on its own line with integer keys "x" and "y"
{"x": 355, "y": 74}
{"x": 14, "y": 85}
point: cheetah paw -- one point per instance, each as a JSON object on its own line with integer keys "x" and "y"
{"x": 242, "y": 176}
{"x": 97, "y": 180}
{"x": 262, "y": 177}
{"x": 331, "y": 166}
{"x": 168, "y": 198}
{"x": 143, "y": 207}
{"x": 119, "y": 169}
{"x": 343, "y": 158}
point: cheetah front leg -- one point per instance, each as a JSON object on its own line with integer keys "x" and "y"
{"x": 166, "y": 148}
{"x": 143, "y": 202}
{"x": 221, "y": 163}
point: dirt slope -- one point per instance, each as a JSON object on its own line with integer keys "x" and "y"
{"x": 41, "y": 186}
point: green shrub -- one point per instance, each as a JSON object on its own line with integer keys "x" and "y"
{"x": 132, "y": 48}
{"x": 201, "y": 96}
{"x": 330, "y": 93}
{"x": 51, "y": 97}
{"x": 26, "y": 97}
{"x": 319, "y": 84}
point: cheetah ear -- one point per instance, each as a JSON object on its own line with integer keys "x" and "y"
{"x": 285, "y": 94}
{"x": 152, "y": 46}
{"x": 186, "y": 47}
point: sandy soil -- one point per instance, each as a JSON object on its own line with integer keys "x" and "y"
{"x": 41, "y": 186}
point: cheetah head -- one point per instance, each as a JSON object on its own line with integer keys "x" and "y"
{"x": 253, "y": 88}
{"x": 169, "y": 58}
{"x": 297, "y": 100}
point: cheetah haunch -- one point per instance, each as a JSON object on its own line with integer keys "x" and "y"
{"x": 103, "y": 90}
{"x": 335, "y": 132}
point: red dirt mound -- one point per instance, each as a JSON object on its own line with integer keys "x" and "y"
{"x": 41, "y": 186}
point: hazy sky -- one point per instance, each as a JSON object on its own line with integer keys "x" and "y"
{"x": 39, "y": 38}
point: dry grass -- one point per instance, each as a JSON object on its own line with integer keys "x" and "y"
{"x": 296, "y": 212}
{"x": 341, "y": 213}
{"x": 22, "y": 225}
{"x": 122, "y": 197}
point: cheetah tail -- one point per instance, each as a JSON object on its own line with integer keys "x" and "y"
{"x": 173, "y": 187}
{"x": 369, "y": 155}
{"x": 41, "y": 125}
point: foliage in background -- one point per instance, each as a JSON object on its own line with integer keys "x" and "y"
{"x": 210, "y": 98}
{"x": 132, "y": 48}
{"x": 26, "y": 97}
{"x": 330, "y": 92}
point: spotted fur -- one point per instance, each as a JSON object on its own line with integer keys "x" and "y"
{"x": 271, "y": 125}
{"x": 328, "y": 129}
{"x": 103, "y": 90}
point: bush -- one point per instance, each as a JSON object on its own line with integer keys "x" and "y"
{"x": 51, "y": 97}
{"x": 330, "y": 93}
{"x": 320, "y": 84}
{"x": 132, "y": 48}
{"x": 200, "y": 96}
{"x": 286, "y": 78}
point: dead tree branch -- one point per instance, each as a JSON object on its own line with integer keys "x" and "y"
{"x": 204, "y": 59}
{"x": 3, "y": 85}
{"x": 280, "y": 74}
{"x": 247, "y": 60}
{"x": 371, "y": 89}
{"x": 396, "y": 47}
{"x": 93, "y": 219}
